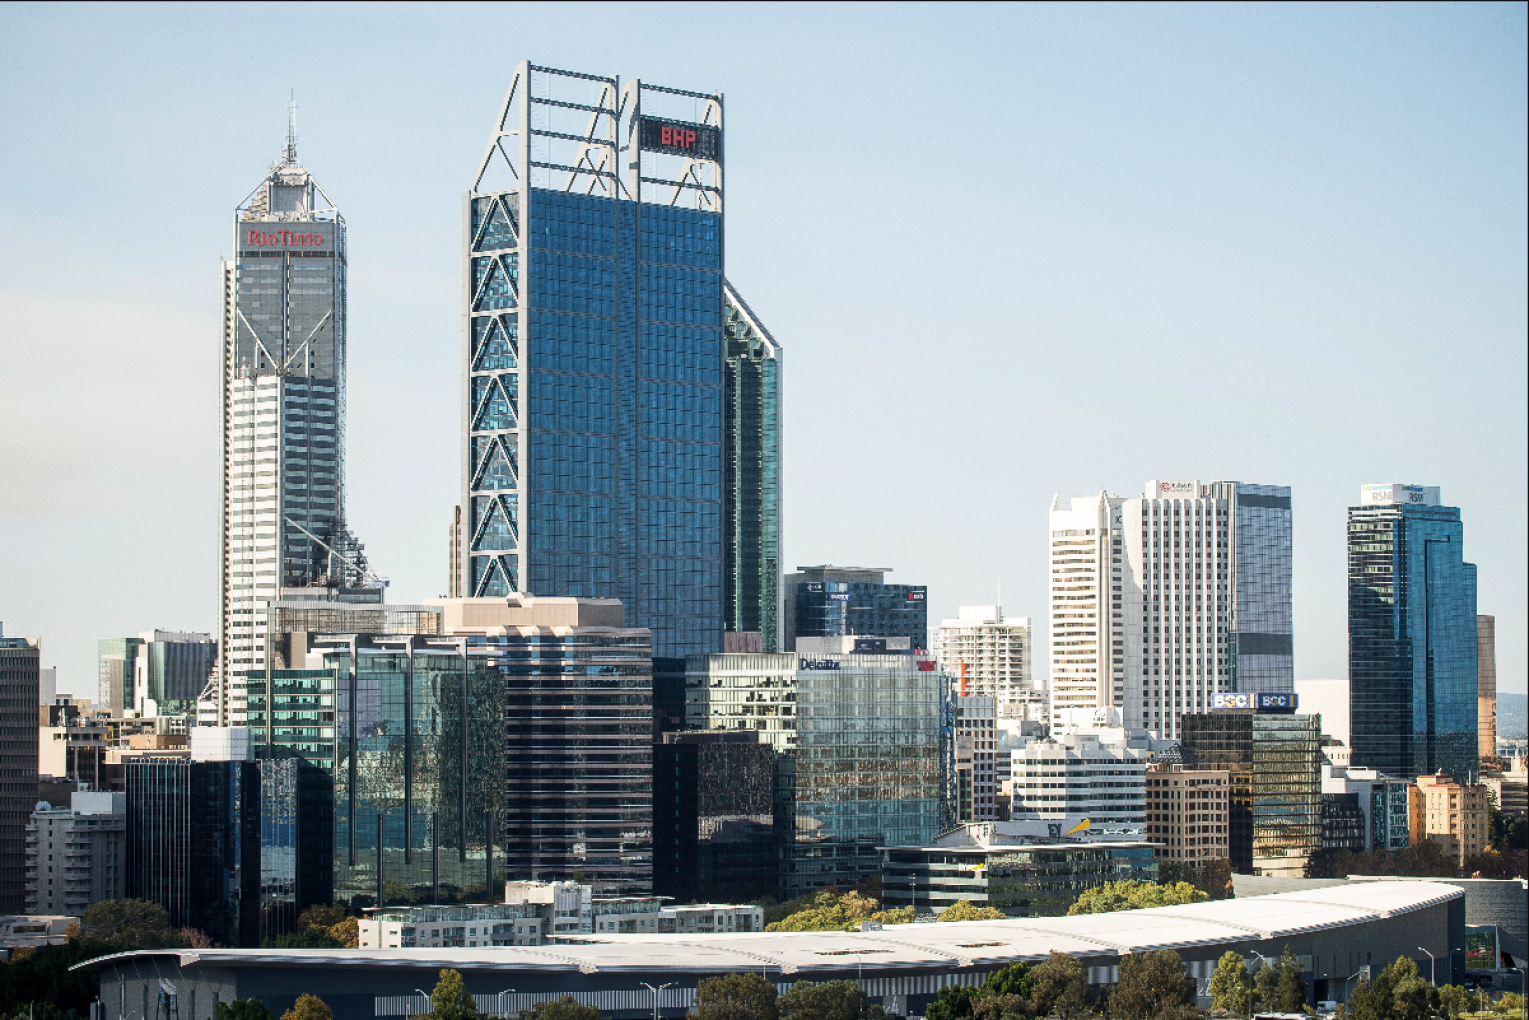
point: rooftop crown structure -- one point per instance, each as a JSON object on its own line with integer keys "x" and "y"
{"x": 283, "y": 416}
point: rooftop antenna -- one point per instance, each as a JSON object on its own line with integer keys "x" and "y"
{"x": 292, "y": 128}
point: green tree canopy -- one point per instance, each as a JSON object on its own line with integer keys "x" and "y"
{"x": 1229, "y": 984}
{"x": 242, "y": 1009}
{"x": 1060, "y": 987}
{"x": 1152, "y": 986}
{"x": 746, "y": 996}
{"x": 966, "y": 910}
{"x": 308, "y": 1007}
{"x": 830, "y": 1000}
{"x": 1265, "y": 985}
{"x": 321, "y": 915}
{"x": 303, "y": 938}
{"x": 953, "y": 1002}
{"x": 1290, "y": 992}
{"x": 1013, "y": 979}
{"x": 128, "y": 924}
{"x": 830, "y": 910}
{"x": 450, "y": 999}
{"x": 566, "y": 1008}
{"x": 1133, "y": 895}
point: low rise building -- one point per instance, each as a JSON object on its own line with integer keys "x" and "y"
{"x": 1454, "y": 815}
{"x": 76, "y": 853}
{"x": 1188, "y": 812}
{"x": 541, "y": 913}
{"x": 1511, "y": 788}
{"x": 33, "y": 931}
{"x": 1380, "y": 798}
{"x": 1030, "y": 868}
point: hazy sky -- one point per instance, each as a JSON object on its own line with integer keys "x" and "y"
{"x": 1010, "y": 252}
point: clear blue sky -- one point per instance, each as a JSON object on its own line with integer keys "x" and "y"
{"x": 1010, "y": 251}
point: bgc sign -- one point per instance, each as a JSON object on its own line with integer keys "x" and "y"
{"x": 681, "y": 138}
{"x": 1258, "y": 701}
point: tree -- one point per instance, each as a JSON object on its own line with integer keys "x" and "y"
{"x": 966, "y": 910}
{"x": 193, "y": 938}
{"x": 1454, "y": 1000}
{"x": 1133, "y": 895}
{"x": 830, "y": 1000}
{"x": 566, "y": 1008}
{"x": 744, "y": 996}
{"x": 1002, "y": 1007}
{"x": 242, "y": 1009}
{"x": 1265, "y": 985}
{"x": 1290, "y": 992}
{"x": 953, "y": 1002}
{"x": 308, "y": 1007}
{"x": 1013, "y": 979}
{"x": 1060, "y": 987}
{"x": 1229, "y": 984}
{"x": 1153, "y": 986}
{"x": 828, "y": 910}
{"x": 304, "y": 938}
{"x": 128, "y": 924}
{"x": 450, "y": 999}
{"x": 347, "y": 933}
{"x": 1412, "y": 998}
{"x": 321, "y": 915}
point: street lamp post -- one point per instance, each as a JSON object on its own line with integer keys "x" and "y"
{"x": 1431, "y": 974}
{"x": 507, "y": 991}
{"x": 655, "y": 992}
{"x": 1251, "y": 974}
{"x": 1347, "y": 980}
{"x": 421, "y": 991}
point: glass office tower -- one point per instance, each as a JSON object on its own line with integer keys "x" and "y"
{"x": 593, "y": 351}
{"x": 830, "y": 601}
{"x": 283, "y": 416}
{"x": 751, "y": 492}
{"x": 1412, "y": 635}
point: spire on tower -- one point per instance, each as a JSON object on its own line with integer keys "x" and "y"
{"x": 291, "y": 153}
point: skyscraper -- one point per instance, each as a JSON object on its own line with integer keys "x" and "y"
{"x": 19, "y": 668}
{"x": 1412, "y": 634}
{"x": 283, "y": 417}
{"x": 1199, "y": 586}
{"x": 1486, "y": 686}
{"x": 855, "y": 604}
{"x": 751, "y": 462}
{"x": 594, "y": 357}
{"x": 989, "y": 652}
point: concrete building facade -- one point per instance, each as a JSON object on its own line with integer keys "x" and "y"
{"x": 76, "y": 854}
{"x": 990, "y": 651}
{"x": 1188, "y": 812}
{"x": 1453, "y": 814}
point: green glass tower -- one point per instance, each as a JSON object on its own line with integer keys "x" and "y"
{"x": 751, "y": 486}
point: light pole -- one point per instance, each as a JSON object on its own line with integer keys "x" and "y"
{"x": 1430, "y": 966}
{"x": 1251, "y": 975}
{"x": 507, "y": 991}
{"x": 1347, "y": 980}
{"x": 655, "y": 992}
{"x": 429, "y": 1004}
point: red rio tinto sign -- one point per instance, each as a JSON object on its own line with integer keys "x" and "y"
{"x": 283, "y": 239}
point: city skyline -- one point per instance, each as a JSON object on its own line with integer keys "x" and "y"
{"x": 850, "y": 355}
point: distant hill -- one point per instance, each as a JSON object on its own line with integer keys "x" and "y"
{"x": 1511, "y": 715}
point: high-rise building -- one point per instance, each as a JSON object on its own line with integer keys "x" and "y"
{"x": 1188, "y": 812}
{"x": 1486, "y": 686}
{"x": 833, "y": 602}
{"x": 19, "y": 668}
{"x": 1274, "y": 759}
{"x": 76, "y": 853}
{"x": 990, "y": 651}
{"x": 1453, "y": 814}
{"x": 116, "y": 666}
{"x": 283, "y": 418}
{"x": 471, "y": 740}
{"x": 975, "y": 732}
{"x": 1413, "y": 634}
{"x": 1080, "y": 774}
{"x": 858, "y": 740}
{"x": 157, "y": 673}
{"x": 713, "y": 817}
{"x": 594, "y": 355}
{"x": 1198, "y": 578}
{"x": 751, "y": 458}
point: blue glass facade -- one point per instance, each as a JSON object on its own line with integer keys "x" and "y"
{"x": 1412, "y": 641}
{"x": 595, "y": 407}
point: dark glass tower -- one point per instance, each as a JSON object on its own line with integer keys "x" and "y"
{"x": 1412, "y": 635}
{"x": 751, "y": 495}
{"x": 593, "y": 391}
